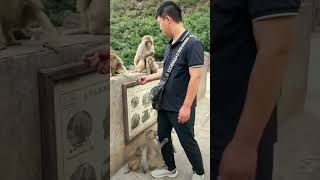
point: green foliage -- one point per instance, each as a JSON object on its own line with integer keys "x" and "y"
{"x": 57, "y": 9}
{"x": 129, "y": 25}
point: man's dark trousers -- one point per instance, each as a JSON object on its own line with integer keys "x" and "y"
{"x": 168, "y": 120}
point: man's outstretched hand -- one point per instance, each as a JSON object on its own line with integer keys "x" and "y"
{"x": 143, "y": 80}
{"x": 99, "y": 58}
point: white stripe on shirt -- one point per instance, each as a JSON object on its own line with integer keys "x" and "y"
{"x": 275, "y": 15}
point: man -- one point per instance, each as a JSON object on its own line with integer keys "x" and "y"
{"x": 179, "y": 100}
{"x": 251, "y": 42}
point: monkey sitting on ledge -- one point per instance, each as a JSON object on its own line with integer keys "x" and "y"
{"x": 94, "y": 17}
{"x": 145, "y": 49}
{"x": 117, "y": 64}
{"x": 151, "y": 64}
{"x": 19, "y": 15}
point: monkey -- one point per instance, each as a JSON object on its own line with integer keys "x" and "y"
{"x": 134, "y": 160}
{"x": 20, "y": 14}
{"x": 151, "y": 152}
{"x": 148, "y": 156}
{"x": 116, "y": 64}
{"x": 152, "y": 66}
{"x": 141, "y": 66}
{"x": 145, "y": 49}
{"x": 94, "y": 17}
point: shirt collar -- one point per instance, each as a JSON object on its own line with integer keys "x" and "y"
{"x": 181, "y": 38}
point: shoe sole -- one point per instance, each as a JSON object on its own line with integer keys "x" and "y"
{"x": 167, "y": 175}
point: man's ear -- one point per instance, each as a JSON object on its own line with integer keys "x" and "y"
{"x": 168, "y": 19}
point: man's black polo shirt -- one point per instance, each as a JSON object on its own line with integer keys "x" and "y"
{"x": 176, "y": 87}
{"x": 234, "y": 53}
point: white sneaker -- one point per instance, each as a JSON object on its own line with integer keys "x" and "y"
{"x": 195, "y": 176}
{"x": 158, "y": 173}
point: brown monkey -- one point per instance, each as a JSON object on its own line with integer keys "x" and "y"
{"x": 152, "y": 66}
{"x": 20, "y": 14}
{"x": 141, "y": 66}
{"x": 134, "y": 160}
{"x": 94, "y": 17}
{"x": 116, "y": 64}
{"x": 147, "y": 157}
{"x": 151, "y": 153}
{"x": 145, "y": 49}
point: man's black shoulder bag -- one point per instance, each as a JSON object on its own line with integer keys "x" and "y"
{"x": 157, "y": 91}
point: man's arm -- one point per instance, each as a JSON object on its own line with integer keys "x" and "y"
{"x": 148, "y": 78}
{"x": 155, "y": 76}
{"x": 273, "y": 38}
{"x": 195, "y": 76}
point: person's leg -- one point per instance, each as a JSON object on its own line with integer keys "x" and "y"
{"x": 265, "y": 162}
{"x": 185, "y": 133}
{"x": 164, "y": 131}
{"x": 215, "y": 167}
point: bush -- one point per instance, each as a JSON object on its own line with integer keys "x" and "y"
{"x": 57, "y": 9}
{"x": 129, "y": 25}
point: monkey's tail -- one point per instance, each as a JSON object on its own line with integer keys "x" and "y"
{"x": 76, "y": 31}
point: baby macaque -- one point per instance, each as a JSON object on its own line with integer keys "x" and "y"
{"x": 152, "y": 66}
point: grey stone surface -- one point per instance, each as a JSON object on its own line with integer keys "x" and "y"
{"x": 20, "y": 152}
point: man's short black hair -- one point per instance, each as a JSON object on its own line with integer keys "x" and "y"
{"x": 169, "y": 8}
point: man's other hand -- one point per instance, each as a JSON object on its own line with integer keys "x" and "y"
{"x": 99, "y": 58}
{"x": 184, "y": 114}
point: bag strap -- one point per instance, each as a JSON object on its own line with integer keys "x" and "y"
{"x": 175, "y": 58}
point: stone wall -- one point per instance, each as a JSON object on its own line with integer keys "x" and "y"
{"x": 20, "y": 152}
{"x": 203, "y": 81}
{"x": 117, "y": 141}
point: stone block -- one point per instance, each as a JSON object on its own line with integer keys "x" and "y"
{"x": 20, "y": 134}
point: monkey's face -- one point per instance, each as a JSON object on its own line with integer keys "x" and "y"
{"x": 151, "y": 134}
{"x": 112, "y": 56}
{"x": 148, "y": 44}
{"x": 150, "y": 60}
